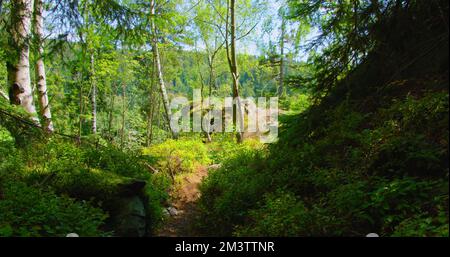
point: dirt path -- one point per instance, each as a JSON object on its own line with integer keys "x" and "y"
{"x": 183, "y": 211}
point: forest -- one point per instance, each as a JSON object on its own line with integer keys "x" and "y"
{"x": 234, "y": 118}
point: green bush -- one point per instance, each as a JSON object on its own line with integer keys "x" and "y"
{"x": 27, "y": 211}
{"x": 281, "y": 215}
{"x": 226, "y": 148}
{"x": 229, "y": 192}
{"x": 339, "y": 172}
{"x": 83, "y": 173}
{"x": 179, "y": 156}
{"x": 424, "y": 225}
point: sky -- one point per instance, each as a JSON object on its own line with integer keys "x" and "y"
{"x": 256, "y": 41}
{"x": 260, "y": 39}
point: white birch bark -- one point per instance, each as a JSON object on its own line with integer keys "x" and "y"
{"x": 20, "y": 91}
{"x": 94, "y": 94}
{"x": 41, "y": 79}
{"x": 162, "y": 86}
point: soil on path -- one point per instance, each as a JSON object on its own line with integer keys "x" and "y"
{"x": 183, "y": 211}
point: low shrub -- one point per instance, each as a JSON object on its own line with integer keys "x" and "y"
{"x": 84, "y": 173}
{"x": 339, "y": 172}
{"x": 227, "y": 193}
{"x": 179, "y": 156}
{"x": 30, "y": 212}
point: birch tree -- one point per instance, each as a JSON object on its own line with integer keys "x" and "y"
{"x": 18, "y": 64}
{"x": 93, "y": 92}
{"x": 41, "y": 80}
{"x": 233, "y": 32}
{"x": 159, "y": 72}
{"x": 230, "y": 39}
{"x": 281, "y": 88}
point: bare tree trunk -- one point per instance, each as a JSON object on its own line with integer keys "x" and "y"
{"x": 1, "y": 7}
{"x": 202, "y": 90}
{"x": 210, "y": 85}
{"x": 158, "y": 108}
{"x": 149, "y": 126}
{"x": 94, "y": 93}
{"x": 231, "y": 55}
{"x": 150, "y": 123}
{"x": 212, "y": 77}
{"x": 162, "y": 86}
{"x": 124, "y": 109}
{"x": 282, "y": 89}
{"x": 20, "y": 91}
{"x": 152, "y": 105}
{"x": 111, "y": 113}
{"x": 81, "y": 106}
{"x": 41, "y": 78}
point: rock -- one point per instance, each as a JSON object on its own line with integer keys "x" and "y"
{"x": 166, "y": 213}
{"x": 214, "y": 167}
{"x": 132, "y": 188}
{"x": 72, "y": 235}
{"x": 127, "y": 209}
{"x": 372, "y": 235}
{"x": 172, "y": 211}
{"x": 130, "y": 220}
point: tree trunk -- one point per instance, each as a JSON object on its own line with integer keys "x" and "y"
{"x": 162, "y": 86}
{"x": 41, "y": 79}
{"x": 124, "y": 109}
{"x": 94, "y": 93}
{"x": 212, "y": 77}
{"x": 152, "y": 105}
{"x": 158, "y": 108}
{"x": 232, "y": 61}
{"x": 81, "y": 106}
{"x": 150, "y": 123}
{"x": 111, "y": 112}
{"x": 282, "y": 89}
{"x": 19, "y": 80}
{"x": 1, "y": 7}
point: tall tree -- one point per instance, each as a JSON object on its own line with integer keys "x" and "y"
{"x": 18, "y": 64}
{"x": 159, "y": 72}
{"x": 1, "y": 7}
{"x": 93, "y": 92}
{"x": 247, "y": 12}
{"x": 208, "y": 25}
{"x": 41, "y": 79}
{"x": 281, "y": 88}
{"x": 232, "y": 62}
{"x": 124, "y": 111}
{"x": 152, "y": 100}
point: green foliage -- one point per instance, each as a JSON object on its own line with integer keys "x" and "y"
{"x": 280, "y": 215}
{"x": 337, "y": 172}
{"x": 225, "y": 148}
{"x": 6, "y": 142}
{"x": 179, "y": 156}
{"x": 370, "y": 155}
{"x": 27, "y": 211}
{"x": 84, "y": 173}
{"x": 423, "y": 225}
{"x": 157, "y": 193}
{"x": 298, "y": 103}
{"x": 228, "y": 192}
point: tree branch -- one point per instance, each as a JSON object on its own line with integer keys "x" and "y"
{"x": 246, "y": 34}
{"x": 3, "y": 94}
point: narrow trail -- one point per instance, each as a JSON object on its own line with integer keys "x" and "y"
{"x": 183, "y": 210}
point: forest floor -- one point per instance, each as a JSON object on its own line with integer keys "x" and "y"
{"x": 182, "y": 213}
